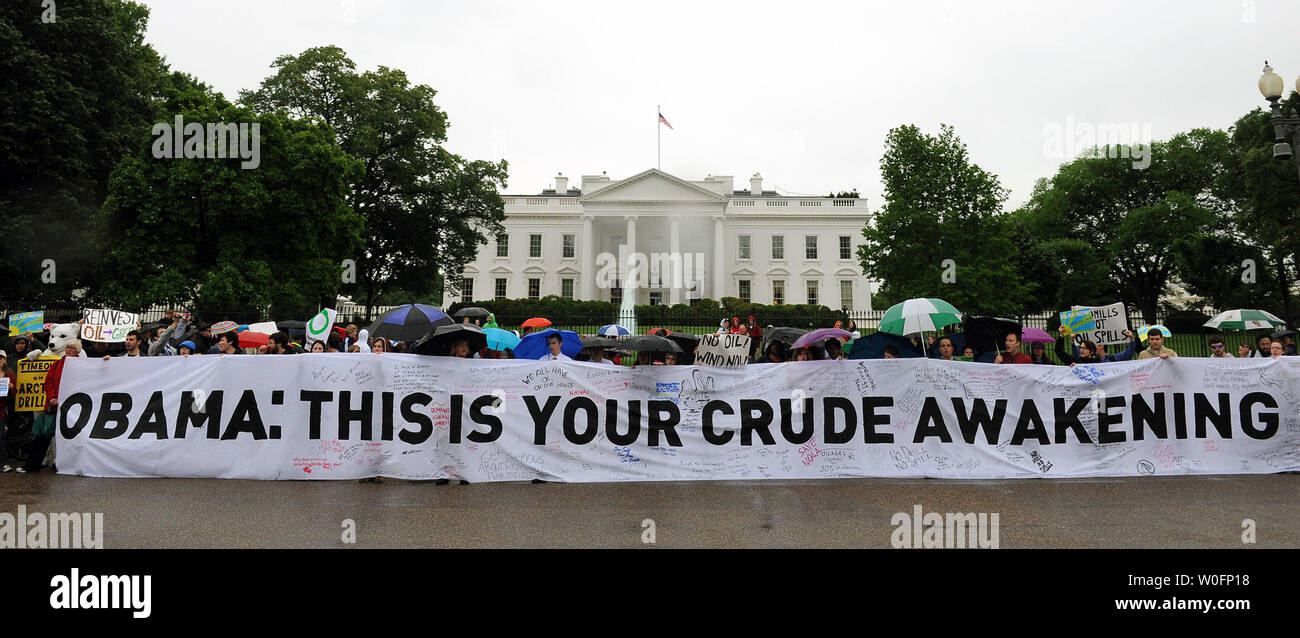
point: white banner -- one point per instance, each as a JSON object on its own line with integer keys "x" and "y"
{"x": 347, "y": 416}
{"x": 99, "y": 324}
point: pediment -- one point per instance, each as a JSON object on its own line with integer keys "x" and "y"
{"x": 653, "y": 185}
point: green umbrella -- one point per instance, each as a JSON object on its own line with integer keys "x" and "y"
{"x": 1245, "y": 320}
{"x": 917, "y": 316}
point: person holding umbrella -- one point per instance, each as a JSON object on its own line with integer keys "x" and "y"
{"x": 1012, "y": 354}
{"x": 554, "y": 341}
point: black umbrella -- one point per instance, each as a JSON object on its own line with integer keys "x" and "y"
{"x": 598, "y": 342}
{"x": 472, "y": 312}
{"x": 687, "y": 342}
{"x": 650, "y": 343}
{"x": 439, "y": 340}
{"x": 785, "y": 335}
{"x": 292, "y": 327}
{"x": 409, "y": 322}
{"x": 988, "y": 334}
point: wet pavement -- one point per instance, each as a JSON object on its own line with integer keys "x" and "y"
{"x": 1140, "y": 512}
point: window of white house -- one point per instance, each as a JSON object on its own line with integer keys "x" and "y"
{"x": 810, "y": 246}
{"x": 534, "y": 246}
{"x": 778, "y": 292}
{"x": 846, "y": 247}
{"x": 743, "y": 253}
{"x": 744, "y": 290}
{"x": 812, "y": 293}
{"x": 846, "y": 295}
{"x": 466, "y": 290}
{"x": 566, "y": 288}
{"x": 570, "y": 243}
{"x": 778, "y": 247}
{"x": 503, "y": 245}
{"x": 500, "y": 288}
{"x": 534, "y": 288}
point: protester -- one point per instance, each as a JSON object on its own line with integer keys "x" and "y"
{"x": 1085, "y": 352}
{"x": 318, "y": 346}
{"x": 133, "y": 345}
{"x": 1155, "y": 346}
{"x": 802, "y": 354}
{"x": 1218, "y": 349}
{"x": 670, "y": 358}
{"x": 891, "y": 352}
{"x": 643, "y": 359}
{"x": 1264, "y": 347}
{"x": 46, "y": 421}
{"x": 968, "y": 352}
{"x": 9, "y": 380}
{"x": 597, "y": 355}
{"x": 1012, "y": 354}
{"x": 555, "y": 342}
{"x": 945, "y": 349}
{"x": 20, "y": 345}
{"x": 352, "y": 336}
{"x": 228, "y": 343}
{"x": 1278, "y": 349}
{"x": 834, "y": 350}
{"x": 379, "y": 345}
{"x": 775, "y": 352}
{"x": 460, "y": 349}
{"x": 1038, "y": 354}
{"x": 755, "y": 336}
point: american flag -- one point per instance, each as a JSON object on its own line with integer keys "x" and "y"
{"x": 664, "y": 121}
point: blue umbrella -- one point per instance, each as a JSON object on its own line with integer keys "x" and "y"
{"x": 499, "y": 339}
{"x": 409, "y": 322}
{"x": 872, "y": 346}
{"x": 613, "y": 330}
{"x": 533, "y": 345}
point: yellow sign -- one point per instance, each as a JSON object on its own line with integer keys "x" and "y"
{"x": 31, "y": 383}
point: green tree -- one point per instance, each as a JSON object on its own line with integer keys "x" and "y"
{"x": 210, "y": 233}
{"x": 426, "y": 210}
{"x": 942, "y": 217}
{"x": 76, "y": 95}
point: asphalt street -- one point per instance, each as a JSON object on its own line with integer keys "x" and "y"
{"x": 1140, "y": 512}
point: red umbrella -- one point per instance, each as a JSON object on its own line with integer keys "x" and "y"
{"x": 536, "y": 322}
{"x": 253, "y": 339}
{"x": 659, "y": 332}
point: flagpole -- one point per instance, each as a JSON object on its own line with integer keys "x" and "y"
{"x": 659, "y": 155}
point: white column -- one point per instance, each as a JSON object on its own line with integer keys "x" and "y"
{"x": 676, "y": 259}
{"x": 588, "y": 260}
{"x": 718, "y": 248}
{"x": 629, "y": 282}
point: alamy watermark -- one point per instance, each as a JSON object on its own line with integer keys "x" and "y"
{"x": 56, "y": 530}
{"x": 682, "y": 271}
{"x": 215, "y": 140}
{"x": 1131, "y": 140}
{"x": 930, "y": 530}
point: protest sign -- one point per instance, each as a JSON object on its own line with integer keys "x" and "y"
{"x": 723, "y": 351}
{"x": 1078, "y": 321}
{"x": 21, "y": 323}
{"x": 318, "y": 327}
{"x": 341, "y": 416}
{"x": 30, "y": 394}
{"x": 1109, "y": 324}
{"x": 109, "y": 326}
{"x": 265, "y": 327}
{"x": 4, "y": 387}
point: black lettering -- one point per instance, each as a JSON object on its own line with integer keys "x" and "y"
{"x": 385, "y": 417}
{"x": 113, "y": 408}
{"x": 154, "y": 419}
{"x": 870, "y": 420}
{"x": 1180, "y": 416}
{"x": 1269, "y": 419}
{"x": 787, "y": 425}
{"x": 1144, "y": 414}
{"x": 246, "y": 418}
{"x": 755, "y": 416}
{"x": 931, "y": 423}
{"x": 1105, "y": 419}
{"x": 418, "y": 417}
{"x": 1030, "y": 425}
{"x": 477, "y": 415}
{"x": 453, "y": 430}
{"x": 706, "y": 419}
{"x": 633, "y": 423}
{"x": 314, "y": 398}
{"x": 541, "y": 415}
{"x": 79, "y": 400}
{"x": 363, "y": 415}
{"x": 979, "y": 418}
{"x": 831, "y": 405}
{"x": 1203, "y": 412}
{"x": 663, "y": 416}
{"x": 592, "y": 421}
{"x": 1069, "y": 419}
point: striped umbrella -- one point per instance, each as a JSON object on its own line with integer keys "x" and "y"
{"x": 1245, "y": 320}
{"x": 613, "y": 330}
{"x": 408, "y": 322}
{"x": 916, "y": 316}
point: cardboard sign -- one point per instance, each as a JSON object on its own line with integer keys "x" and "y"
{"x": 4, "y": 386}
{"x": 108, "y": 326}
{"x": 1109, "y": 324}
{"x": 265, "y": 327}
{"x": 30, "y": 396}
{"x": 1078, "y": 321}
{"x": 723, "y": 351}
{"x": 21, "y": 323}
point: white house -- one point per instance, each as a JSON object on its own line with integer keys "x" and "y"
{"x": 664, "y": 239}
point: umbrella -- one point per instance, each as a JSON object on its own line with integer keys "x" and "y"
{"x": 988, "y": 334}
{"x": 598, "y": 342}
{"x": 650, "y": 343}
{"x": 439, "y": 340}
{"x": 253, "y": 339}
{"x": 1245, "y": 320}
{"x": 472, "y": 312}
{"x": 1142, "y": 332}
{"x": 1282, "y": 333}
{"x": 408, "y": 322}
{"x": 536, "y": 322}
{"x": 222, "y": 327}
{"x": 1035, "y": 335}
{"x": 498, "y": 339}
{"x": 533, "y": 346}
{"x": 819, "y": 335}
{"x": 872, "y": 346}
{"x": 659, "y": 332}
{"x": 613, "y": 330}
{"x": 785, "y": 335}
{"x": 916, "y": 316}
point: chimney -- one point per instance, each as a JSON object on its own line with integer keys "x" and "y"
{"x": 756, "y": 185}
{"x": 561, "y": 184}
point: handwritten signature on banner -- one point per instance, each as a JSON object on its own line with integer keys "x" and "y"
{"x": 1090, "y": 374}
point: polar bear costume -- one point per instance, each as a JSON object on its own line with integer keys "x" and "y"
{"x": 60, "y": 336}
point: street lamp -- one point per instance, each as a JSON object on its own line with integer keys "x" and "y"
{"x": 1272, "y": 87}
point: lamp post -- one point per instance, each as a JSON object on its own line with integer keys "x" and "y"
{"x": 1288, "y": 126}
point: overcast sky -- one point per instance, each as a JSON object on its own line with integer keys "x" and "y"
{"x": 803, "y": 92}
